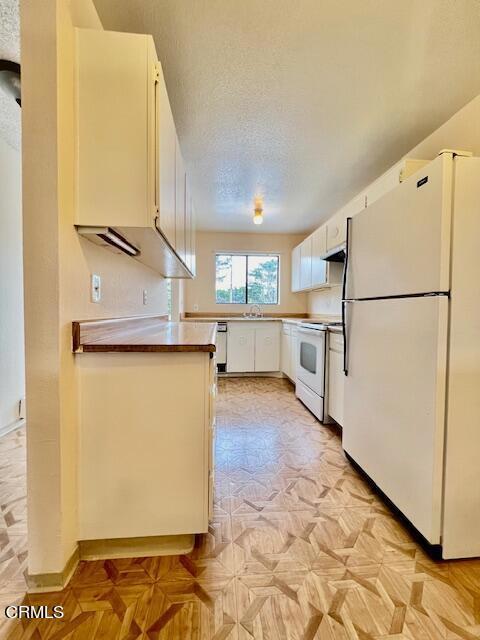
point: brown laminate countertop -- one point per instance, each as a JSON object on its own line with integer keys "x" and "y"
{"x": 241, "y": 318}
{"x": 143, "y": 334}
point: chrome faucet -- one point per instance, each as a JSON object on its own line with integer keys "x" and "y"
{"x": 255, "y": 311}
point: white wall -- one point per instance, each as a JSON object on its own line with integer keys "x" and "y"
{"x": 12, "y": 356}
{"x": 461, "y": 131}
{"x": 201, "y": 290}
{"x": 57, "y": 265}
{"x": 325, "y": 302}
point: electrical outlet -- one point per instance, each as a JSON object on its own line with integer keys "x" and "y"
{"x": 95, "y": 288}
{"x": 145, "y": 296}
{"x": 195, "y": 307}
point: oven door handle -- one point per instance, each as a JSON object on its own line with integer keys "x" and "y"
{"x": 312, "y": 332}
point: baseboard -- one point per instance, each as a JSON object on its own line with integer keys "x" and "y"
{"x": 11, "y": 427}
{"x": 44, "y": 582}
{"x": 253, "y": 374}
{"x": 110, "y": 549}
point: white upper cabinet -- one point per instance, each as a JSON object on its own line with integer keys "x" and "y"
{"x": 336, "y": 230}
{"x": 166, "y": 149}
{"x": 319, "y": 249}
{"x": 337, "y": 225}
{"x": 310, "y": 270}
{"x": 180, "y": 208}
{"x": 296, "y": 268}
{"x": 115, "y": 129}
{"x": 306, "y": 263}
{"x": 126, "y": 185}
{"x": 189, "y": 228}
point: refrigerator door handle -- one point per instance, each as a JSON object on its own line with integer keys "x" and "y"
{"x": 347, "y": 255}
{"x": 344, "y": 298}
{"x": 345, "y": 339}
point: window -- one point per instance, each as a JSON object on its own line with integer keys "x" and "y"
{"x": 246, "y": 279}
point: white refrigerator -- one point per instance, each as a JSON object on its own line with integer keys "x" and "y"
{"x": 412, "y": 350}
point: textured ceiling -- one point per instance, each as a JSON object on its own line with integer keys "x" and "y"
{"x": 9, "y": 50}
{"x": 302, "y": 101}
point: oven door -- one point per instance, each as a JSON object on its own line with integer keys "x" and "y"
{"x": 311, "y": 359}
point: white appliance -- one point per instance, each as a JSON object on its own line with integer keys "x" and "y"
{"x": 310, "y": 385}
{"x": 412, "y": 350}
{"x": 311, "y": 354}
{"x": 222, "y": 329}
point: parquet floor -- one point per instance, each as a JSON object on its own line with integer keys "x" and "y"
{"x": 299, "y": 548}
{"x": 13, "y": 521}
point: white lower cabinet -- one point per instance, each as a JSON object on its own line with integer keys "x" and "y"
{"x": 336, "y": 379}
{"x": 147, "y": 431}
{"x": 240, "y": 347}
{"x": 294, "y": 353}
{"x": 289, "y": 351}
{"x": 286, "y": 350}
{"x": 267, "y": 347}
{"x": 253, "y": 346}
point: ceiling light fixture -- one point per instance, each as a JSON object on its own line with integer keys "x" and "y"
{"x": 258, "y": 212}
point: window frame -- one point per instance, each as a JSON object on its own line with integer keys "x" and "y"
{"x": 247, "y": 254}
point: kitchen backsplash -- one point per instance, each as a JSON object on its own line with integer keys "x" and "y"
{"x": 325, "y": 301}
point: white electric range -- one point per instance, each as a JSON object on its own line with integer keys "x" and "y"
{"x": 310, "y": 386}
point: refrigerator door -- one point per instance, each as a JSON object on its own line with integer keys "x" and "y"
{"x": 394, "y": 419}
{"x": 400, "y": 245}
{"x": 461, "y": 518}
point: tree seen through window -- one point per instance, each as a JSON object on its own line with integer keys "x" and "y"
{"x": 246, "y": 279}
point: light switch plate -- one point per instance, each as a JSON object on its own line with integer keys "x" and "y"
{"x": 95, "y": 288}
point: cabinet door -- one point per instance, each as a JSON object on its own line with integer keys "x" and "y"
{"x": 115, "y": 129}
{"x": 166, "y": 142}
{"x": 336, "y": 230}
{"x": 306, "y": 263}
{"x": 296, "y": 269}
{"x": 267, "y": 347}
{"x": 193, "y": 240}
{"x": 188, "y": 226}
{"x": 337, "y": 225}
{"x": 335, "y": 386}
{"x": 293, "y": 354}
{"x": 240, "y": 347}
{"x": 319, "y": 249}
{"x": 286, "y": 356}
{"x": 180, "y": 179}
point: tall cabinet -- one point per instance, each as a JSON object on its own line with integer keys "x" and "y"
{"x": 130, "y": 180}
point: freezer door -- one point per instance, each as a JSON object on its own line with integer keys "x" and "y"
{"x": 394, "y": 419}
{"x": 400, "y": 245}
